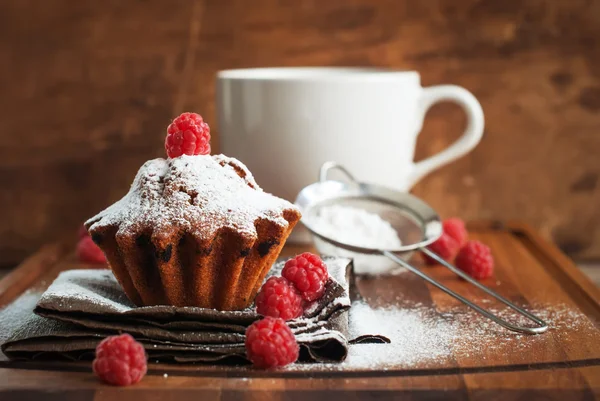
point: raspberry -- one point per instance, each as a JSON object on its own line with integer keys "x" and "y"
{"x": 120, "y": 360}
{"x": 279, "y": 298}
{"x": 188, "y": 134}
{"x": 308, "y": 273}
{"x": 476, "y": 260}
{"x": 89, "y": 252}
{"x": 270, "y": 343}
{"x": 445, "y": 246}
{"x": 455, "y": 228}
{"x": 83, "y": 232}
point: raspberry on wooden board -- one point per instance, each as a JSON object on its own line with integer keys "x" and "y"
{"x": 83, "y": 232}
{"x": 476, "y": 260}
{"x": 88, "y": 252}
{"x": 279, "y": 298}
{"x": 270, "y": 343}
{"x": 455, "y": 228}
{"x": 308, "y": 274}
{"x": 446, "y": 247}
{"x": 120, "y": 360}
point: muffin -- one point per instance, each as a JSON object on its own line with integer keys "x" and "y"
{"x": 193, "y": 231}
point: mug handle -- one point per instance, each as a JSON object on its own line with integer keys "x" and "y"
{"x": 465, "y": 143}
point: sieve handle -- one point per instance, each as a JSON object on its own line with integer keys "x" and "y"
{"x": 328, "y": 166}
{"x": 542, "y": 326}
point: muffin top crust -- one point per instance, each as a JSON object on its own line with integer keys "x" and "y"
{"x": 199, "y": 194}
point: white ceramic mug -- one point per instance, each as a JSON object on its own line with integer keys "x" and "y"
{"x": 283, "y": 123}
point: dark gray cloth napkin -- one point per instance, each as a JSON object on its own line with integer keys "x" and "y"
{"x": 83, "y": 306}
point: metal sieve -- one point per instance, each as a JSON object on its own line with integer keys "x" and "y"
{"x": 415, "y": 222}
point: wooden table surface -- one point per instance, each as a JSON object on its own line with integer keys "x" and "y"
{"x": 560, "y": 365}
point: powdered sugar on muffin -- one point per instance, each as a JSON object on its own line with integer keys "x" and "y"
{"x": 197, "y": 193}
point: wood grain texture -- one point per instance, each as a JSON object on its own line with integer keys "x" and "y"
{"x": 31, "y": 269}
{"x": 65, "y": 386}
{"x": 560, "y": 367}
{"x": 87, "y": 89}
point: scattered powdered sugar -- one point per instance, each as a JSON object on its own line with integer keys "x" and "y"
{"x": 355, "y": 226}
{"x": 486, "y": 336}
{"x": 415, "y": 335}
{"x": 423, "y": 337}
{"x": 197, "y": 193}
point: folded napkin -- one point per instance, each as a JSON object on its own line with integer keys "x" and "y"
{"x": 83, "y": 306}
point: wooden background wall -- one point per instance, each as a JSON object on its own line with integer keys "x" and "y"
{"x": 87, "y": 88}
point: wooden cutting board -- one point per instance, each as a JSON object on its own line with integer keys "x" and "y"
{"x": 562, "y": 364}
